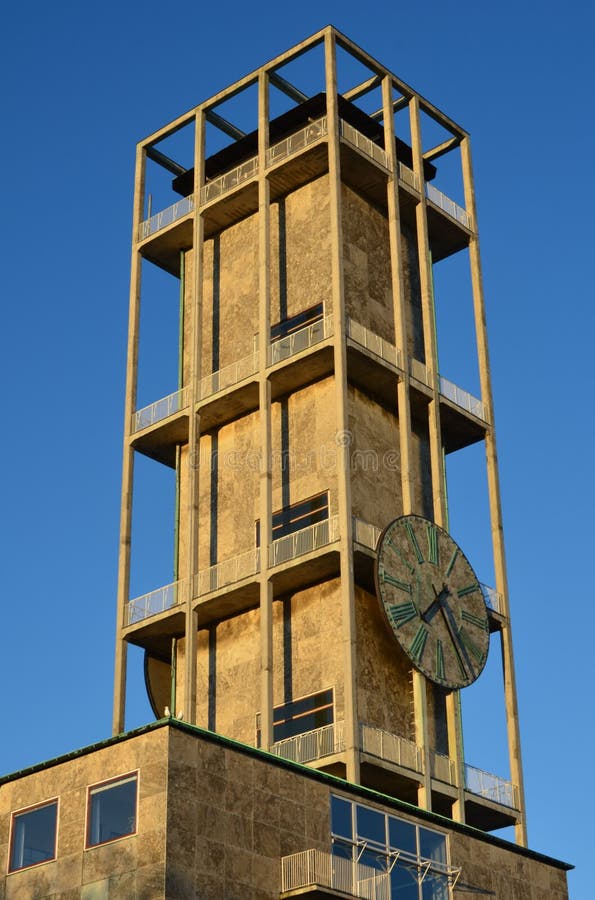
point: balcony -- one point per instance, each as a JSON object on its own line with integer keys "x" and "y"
{"x": 491, "y": 787}
{"x": 443, "y": 768}
{"x": 228, "y": 181}
{"x": 362, "y": 143}
{"x": 312, "y": 745}
{"x": 228, "y": 375}
{"x": 448, "y": 206}
{"x": 365, "y": 534}
{"x": 302, "y": 339}
{"x": 320, "y": 874}
{"x": 165, "y": 217}
{"x": 155, "y": 602}
{"x": 306, "y": 540}
{"x": 390, "y": 747}
{"x": 313, "y": 132}
{"x": 161, "y": 409}
{"x": 228, "y": 572}
{"x": 462, "y": 399}
{"x": 373, "y": 343}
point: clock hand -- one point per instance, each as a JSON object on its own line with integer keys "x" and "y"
{"x": 436, "y": 603}
{"x": 460, "y": 648}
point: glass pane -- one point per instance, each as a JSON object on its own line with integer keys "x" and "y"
{"x": 342, "y": 849}
{"x": 435, "y": 887}
{"x": 403, "y": 881}
{"x": 374, "y": 859}
{"x": 432, "y": 845}
{"x": 341, "y": 817}
{"x": 402, "y": 835}
{"x": 371, "y": 825}
{"x": 112, "y": 812}
{"x": 34, "y": 837}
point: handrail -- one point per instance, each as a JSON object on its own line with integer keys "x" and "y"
{"x": 311, "y": 745}
{"x": 462, "y": 398}
{"x": 363, "y": 143}
{"x": 229, "y": 180}
{"x": 491, "y": 787}
{"x": 298, "y": 141}
{"x": 303, "y": 541}
{"x": 316, "y": 867}
{"x": 165, "y": 217}
{"x": 492, "y": 598}
{"x": 156, "y": 601}
{"x": 448, "y": 206}
{"x": 228, "y": 375}
{"x": 301, "y": 339}
{"x": 365, "y": 533}
{"x": 391, "y": 747}
{"x": 443, "y": 768}
{"x": 371, "y": 341}
{"x": 161, "y": 409}
{"x": 229, "y": 571}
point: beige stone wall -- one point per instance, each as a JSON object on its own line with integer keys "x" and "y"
{"x": 133, "y": 866}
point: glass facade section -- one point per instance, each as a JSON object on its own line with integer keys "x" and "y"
{"x": 416, "y": 857}
{"x": 112, "y": 810}
{"x": 33, "y": 838}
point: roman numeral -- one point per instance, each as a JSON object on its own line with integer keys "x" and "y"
{"x": 470, "y": 589}
{"x": 417, "y": 646}
{"x": 399, "y": 553}
{"x": 390, "y": 579}
{"x": 474, "y": 620}
{"x": 453, "y": 558}
{"x": 433, "y": 552}
{"x": 471, "y": 647}
{"x": 413, "y": 539}
{"x": 439, "y": 660}
{"x": 402, "y": 612}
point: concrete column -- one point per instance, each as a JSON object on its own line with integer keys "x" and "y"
{"x": 192, "y": 518}
{"x": 266, "y": 474}
{"x": 119, "y": 708}
{"x": 351, "y": 723}
{"x": 510, "y": 695}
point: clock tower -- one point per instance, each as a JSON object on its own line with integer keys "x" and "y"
{"x": 318, "y": 606}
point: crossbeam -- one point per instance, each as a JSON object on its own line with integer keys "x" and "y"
{"x": 287, "y": 88}
{"x": 221, "y": 123}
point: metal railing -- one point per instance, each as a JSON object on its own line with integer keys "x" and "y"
{"x": 304, "y": 541}
{"x": 363, "y": 143}
{"x": 161, "y": 409}
{"x": 373, "y": 342}
{"x": 227, "y": 572}
{"x": 443, "y": 768}
{"x": 315, "y": 867}
{"x": 484, "y": 784}
{"x": 365, "y": 534}
{"x": 492, "y": 598}
{"x": 228, "y": 375}
{"x": 461, "y": 398}
{"x": 165, "y": 217}
{"x": 298, "y": 141}
{"x": 302, "y": 339}
{"x": 229, "y": 180}
{"x": 311, "y": 745}
{"x": 448, "y": 206}
{"x": 419, "y": 371}
{"x": 155, "y": 602}
{"x": 391, "y": 747}
{"x": 408, "y": 176}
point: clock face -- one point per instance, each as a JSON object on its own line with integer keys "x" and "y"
{"x": 432, "y": 601}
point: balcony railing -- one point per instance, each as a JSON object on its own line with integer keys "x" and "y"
{"x": 315, "y": 744}
{"x": 299, "y": 340}
{"x": 227, "y": 572}
{"x": 448, "y": 206}
{"x": 157, "y": 601}
{"x": 491, "y": 787}
{"x": 462, "y": 398}
{"x": 363, "y": 143}
{"x": 298, "y": 141}
{"x": 366, "y": 534}
{"x": 443, "y": 768}
{"x": 315, "y": 868}
{"x": 229, "y": 180}
{"x": 408, "y": 176}
{"x": 228, "y": 375}
{"x": 165, "y": 217}
{"x": 419, "y": 371}
{"x": 373, "y": 342}
{"x": 391, "y": 747}
{"x": 492, "y": 598}
{"x": 161, "y": 409}
{"x": 304, "y": 541}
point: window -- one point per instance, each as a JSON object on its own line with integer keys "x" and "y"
{"x": 294, "y": 323}
{"x": 415, "y": 856}
{"x": 33, "y": 836}
{"x": 111, "y": 810}
{"x": 299, "y": 716}
{"x": 297, "y": 516}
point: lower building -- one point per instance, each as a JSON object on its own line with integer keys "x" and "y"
{"x": 173, "y": 811}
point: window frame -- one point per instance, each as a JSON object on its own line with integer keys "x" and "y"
{"x": 17, "y": 813}
{"x": 277, "y": 709}
{"x": 105, "y": 785}
{"x": 284, "y": 519}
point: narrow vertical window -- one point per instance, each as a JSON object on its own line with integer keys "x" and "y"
{"x": 111, "y": 812}
{"x": 33, "y": 836}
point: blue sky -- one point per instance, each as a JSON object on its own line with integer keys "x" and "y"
{"x": 81, "y": 85}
